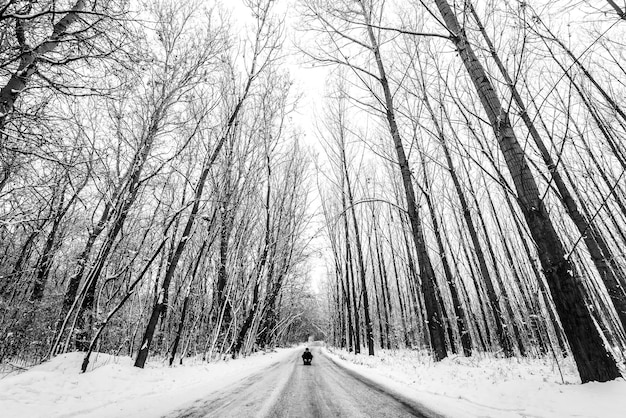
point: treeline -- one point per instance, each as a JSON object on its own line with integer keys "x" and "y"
{"x": 473, "y": 182}
{"x": 153, "y": 193}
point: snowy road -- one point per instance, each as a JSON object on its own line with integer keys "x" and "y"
{"x": 290, "y": 389}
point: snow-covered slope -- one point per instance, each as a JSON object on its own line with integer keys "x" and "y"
{"x": 490, "y": 387}
{"x": 112, "y": 387}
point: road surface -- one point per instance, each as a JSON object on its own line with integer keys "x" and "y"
{"x": 290, "y": 389}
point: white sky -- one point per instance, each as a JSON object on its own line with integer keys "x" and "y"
{"x": 308, "y": 81}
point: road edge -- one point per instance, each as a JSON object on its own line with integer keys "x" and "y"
{"x": 381, "y": 386}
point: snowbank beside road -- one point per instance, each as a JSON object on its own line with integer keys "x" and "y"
{"x": 113, "y": 387}
{"x": 488, "y": 386}
{"x": 455, "y": 387}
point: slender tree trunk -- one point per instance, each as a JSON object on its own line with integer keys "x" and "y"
{"x": 181, "y": 322}
{"x": 464, "y": 301}
{"x": 352, "y": 290}
{"x": 460, "y": 318}
{"x": 382, "y": 271}
{"x": 427, "y": 274}
{"x": 482, "y": 300}
{"x": 369, "y": 333}
{"x": 12, "y": 279}
{"x": 504, "y": 296}
{"x": 45, "y": 261}
{"x": 517, "y": 279}
{"x": 377, "y": 294}
{"x": 414, "y": 286}
{"x": 392, "y": 251}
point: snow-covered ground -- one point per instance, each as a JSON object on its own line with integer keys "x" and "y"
{"x": 490, "y": 387}
{"x": 456, "y": 387}
{"x": 112, "y": 387}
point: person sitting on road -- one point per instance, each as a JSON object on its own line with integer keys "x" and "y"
{"x": 307, "y": 355}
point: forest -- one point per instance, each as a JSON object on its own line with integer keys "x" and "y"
{"x": 164, "y": 190}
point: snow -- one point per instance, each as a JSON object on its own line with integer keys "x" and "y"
{"x": 481, "y": 386}
{"x": 488, "y": 386}
{"x": 112, "y": 387}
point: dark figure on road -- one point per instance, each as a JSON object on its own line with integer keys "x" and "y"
{"x": 307, "y": 356}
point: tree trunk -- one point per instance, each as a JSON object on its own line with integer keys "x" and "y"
{"x": 382, "y": 270}
{"x": 427, "y": 274}
{"x": 607, "y": 274}
{"x": 396, "y": 275}
{"x": 460, "y": 318}
{"x": 369, "y": 334}
{"x": 594, "y": 361}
